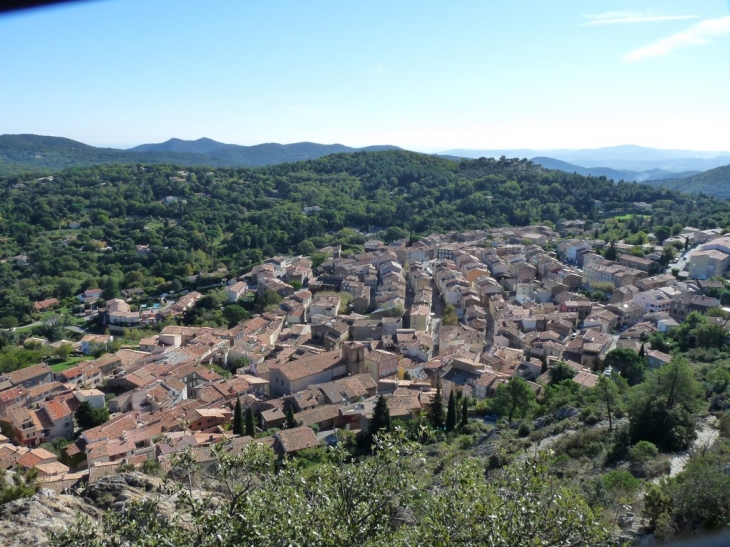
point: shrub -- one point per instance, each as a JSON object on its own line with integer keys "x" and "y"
{"x": 643, "y": 451}
{"x": 497, "y": 460}
{"x": 465, "y": 442}
{"x": 151, "y": 467}
{"x": 523, "y": 430}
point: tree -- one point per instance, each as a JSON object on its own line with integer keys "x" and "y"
{"x": 663, "y": 407}
{"x": 464, "y": 413}
{"x": 63, "y": 351}
{"x": 234, "y": 314}
{"x": 513, "y": 398}
{"x": 267, "y": 300}
{"x": 88, "y": 417}
{"x": 342, "y": 501}
{"x": 631, "y": 365}
{"x": 621, "y": 487}
{"x": 238, "y": 418}
{"x": 451, "y": 413}
{"x": 291, "y": 421}
{"x": 610, "y": 253}
{"x": 561, "y": 372}
{"x": 250, "y": 427}
{"x": 662, "y": 233}
{"x": 380, "y": 421}
{"x": 448, "y": 316}
{"x": 435, "y": 412}
{"x": 543, "y": 363}
{"x": 642, "y": 351}
{"x": 608, "y": 393}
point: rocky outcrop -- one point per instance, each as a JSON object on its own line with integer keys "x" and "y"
{"x": 29, "y": 521}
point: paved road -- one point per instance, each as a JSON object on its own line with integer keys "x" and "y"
{"x": 681, "y": 264}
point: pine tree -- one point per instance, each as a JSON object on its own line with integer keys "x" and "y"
{"x": 435, "y": 413}
{"x": 250, "y": 427}
{"x": 290, "y": 420}
{"x": 451, "y": 413}
{"x": 381, "y": 418}
{"x": 238, "y": 418}
{"x": 464, "y": 413}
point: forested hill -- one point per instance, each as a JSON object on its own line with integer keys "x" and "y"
{"x": 81, "y": 228}
{"x": 715, "y": 182}
{"x": 46, "y": 155}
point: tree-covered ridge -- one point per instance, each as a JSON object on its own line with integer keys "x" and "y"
{"x": 715, "y": 182}
{"x": 200, "y": 219}
{"x": 42, "y": 154}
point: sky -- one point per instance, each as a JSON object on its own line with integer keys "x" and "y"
{"x": 421, "y": 74}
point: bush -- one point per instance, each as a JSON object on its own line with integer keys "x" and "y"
{"x": 151, "y": 467}
{"x": 465, "y": 442}
{"x": 586, "y": 442}
{"x": 497, "y": 460}
{"x": 724, "y": 425}
{"x": 619, "y": 449}
{"x": 523, "y": 430}
{"x": 643, "y": 451}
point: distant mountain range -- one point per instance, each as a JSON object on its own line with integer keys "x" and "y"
{"x": 623, "y": 158}
{"x": 684, "y": 170}
{"x": 42, "y": 154}
{"x": 614, "y": 174}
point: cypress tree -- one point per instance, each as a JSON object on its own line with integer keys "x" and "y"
{"x": 642, "y": 351}
{"x": 465, "y": 413}
{"x": 544, "y": 367}
{"x": 238, "y": 418}
{"x": 250, "y": 428}
{"x": 290, "y": 420}
{"x": 436, "y": 409}
{"x": 451, "y": 413}
{"x": 381, "y": 418}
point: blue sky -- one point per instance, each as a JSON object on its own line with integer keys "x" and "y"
{"x": 424, "y": 75}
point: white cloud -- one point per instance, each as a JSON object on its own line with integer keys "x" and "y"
{"x": 698, "y": 34}
{"x": 622, "y": 17}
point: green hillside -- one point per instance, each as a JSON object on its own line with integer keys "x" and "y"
{"x": 47, "y": 155}
{"x": 715, "y": 182}
{"x": 237, "y": 217}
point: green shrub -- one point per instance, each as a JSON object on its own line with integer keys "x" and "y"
{"x": 643, "y": 451}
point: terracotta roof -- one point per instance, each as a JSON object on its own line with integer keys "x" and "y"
{"x": 585, "y": 379}
{"x": 113, "y": 428}
{"x": 9, "y": 395}
{"x": 52, "y": 468}
{"x": 308, "y": 366}
{"x": 28, "y": 373}
{"x": 34, "y": 457}
{"x": 56, "y": 409}
{"x": 317, "y": 415}
{"x": 298, "y": 438}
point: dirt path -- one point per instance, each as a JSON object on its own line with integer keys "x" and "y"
{"x": 706, "y": 436}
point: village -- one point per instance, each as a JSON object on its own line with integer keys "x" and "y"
{"x": 461, "y": 312}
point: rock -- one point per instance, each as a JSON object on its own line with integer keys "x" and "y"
{"x": 566, "y": 412}
{"x": 626, "y": 521}
{"x": 29, "y": 521}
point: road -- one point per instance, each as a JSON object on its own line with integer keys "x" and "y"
{"x": 681, "y": 264}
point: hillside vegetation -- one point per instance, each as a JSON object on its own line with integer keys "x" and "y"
{"x": 45, "y": 155}
{"x": 236, "y": 217}
{"x": 715, "y": 182}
